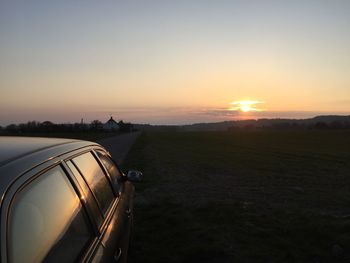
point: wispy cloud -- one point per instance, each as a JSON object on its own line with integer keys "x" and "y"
{"x": 219, "y": 112}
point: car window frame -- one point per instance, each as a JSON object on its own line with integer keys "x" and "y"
{"x": 104, "y": 215}
{"x": 91, "y": 203}
{"x": 120, "y": 182}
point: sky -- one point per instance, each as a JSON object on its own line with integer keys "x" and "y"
{"x": 172, "y": 61}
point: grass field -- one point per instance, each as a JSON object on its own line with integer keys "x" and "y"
{"x": 242, "y": 197}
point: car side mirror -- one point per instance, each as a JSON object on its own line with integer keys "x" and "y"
{"x": 134, "y": 176}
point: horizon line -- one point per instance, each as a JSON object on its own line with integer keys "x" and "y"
{"x": 191, "y": 123}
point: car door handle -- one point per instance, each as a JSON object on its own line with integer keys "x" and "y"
{"x": 118, "y": 254}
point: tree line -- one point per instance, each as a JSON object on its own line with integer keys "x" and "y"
{"x": 48, "y": 126}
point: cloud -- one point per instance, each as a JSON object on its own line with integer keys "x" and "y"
{"x": 220, "y": 112}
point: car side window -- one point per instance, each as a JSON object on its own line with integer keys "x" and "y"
{"x": 47, "y": 221}
{"x": 96, "y": 179}
{"x": 86, "y": 191}
{"x": 111, "y": 168}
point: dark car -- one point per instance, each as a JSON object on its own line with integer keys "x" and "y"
{"x": 63, "y": 200}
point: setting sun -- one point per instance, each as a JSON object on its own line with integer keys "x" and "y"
{"x": 246, "y": 105}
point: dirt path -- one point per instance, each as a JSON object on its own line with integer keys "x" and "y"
{"x": 119, "y": 146}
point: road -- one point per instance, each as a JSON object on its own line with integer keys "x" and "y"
{"x": 119, "y": 146}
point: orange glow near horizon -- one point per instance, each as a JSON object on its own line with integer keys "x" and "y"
{"x": 165, "y": 62}
{"x": 246, "y": 105}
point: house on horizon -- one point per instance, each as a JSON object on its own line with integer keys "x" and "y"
{"x": 111, "y": 125}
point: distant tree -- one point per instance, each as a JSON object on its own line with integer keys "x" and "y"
{"x": 65, "y": 127}
{"x": 47, "y": 123}
{"x": 96, "y": 125}
{"x": 125, "y": 127}
{"x": 47, "y": 126}
{"x": 77, "y": 127}
{"x": 22, "y": 127}
{"x": 12, "y": 128}
{"x": 30, "y": 126}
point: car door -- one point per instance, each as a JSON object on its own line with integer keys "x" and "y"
{"x": 47, "y": 222}
{"x": 124, "y": 211}
{"x": 109, "y": 195}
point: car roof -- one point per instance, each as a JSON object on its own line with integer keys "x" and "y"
{"x": 12, "y": 148}
{"x": 21, "y": 154}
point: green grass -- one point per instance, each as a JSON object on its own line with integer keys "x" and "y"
{"x": 242, "y": 196}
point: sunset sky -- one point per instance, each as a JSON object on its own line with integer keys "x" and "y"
{"x": 173, "y": 61}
